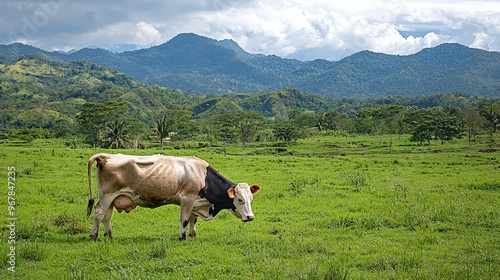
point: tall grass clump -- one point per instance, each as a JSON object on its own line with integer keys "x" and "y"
{"x": 355, "y": 179}
{"x": 32, "y": 251}
{"x": 78, "y": 273}
{"x": 158, "y": 249}
{"x": 32, "y": 229}
{"x": 70, "y": 224}
{"x": 298, "y": 185}
{"x": 332, "y": 268}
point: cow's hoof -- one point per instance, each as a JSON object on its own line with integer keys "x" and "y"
{"x": 93, "y": 237}
{"x": 110, "y": 236}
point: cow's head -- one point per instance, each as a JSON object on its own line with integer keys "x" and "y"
{"x": 242, "y": 195}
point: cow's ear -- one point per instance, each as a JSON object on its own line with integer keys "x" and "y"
{"x": 230, "y": 192}
{"x": 254, "y": 189}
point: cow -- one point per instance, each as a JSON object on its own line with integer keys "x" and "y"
{"x": 126, "y": 181}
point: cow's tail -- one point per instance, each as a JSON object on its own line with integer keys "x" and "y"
{"x": 89, "y": 172}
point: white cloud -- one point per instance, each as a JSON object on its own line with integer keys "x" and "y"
{"x": 147, "y": 35}
{"x": 290, "y": 28}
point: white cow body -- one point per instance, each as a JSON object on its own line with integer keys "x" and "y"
{"x": 125, "y": 182}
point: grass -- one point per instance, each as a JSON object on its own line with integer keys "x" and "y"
{"x": 330, "y": 208}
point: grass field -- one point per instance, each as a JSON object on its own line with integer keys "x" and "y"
{"x": 330, "y": 208}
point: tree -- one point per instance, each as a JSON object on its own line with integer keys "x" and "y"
{"x": 94, "y": 117}
{"x": 322, "y": 122}
{"x": 382, "y": 119}
{"x": 438, "y": 123}
{"x": 286, "y": 131}
{"x": 242, "y": 126}
{"x": 422, "y": 132}
{"x": 248, "y": 123}
{"x": 402, "y": 123}
{"x": 302, "y": 122}
{"x": 448, "y": 125}
{"x": 182, "y": 125}
{"x": 473, "y": 121}
{"x": 163, "y": 126}
{"x": 116, "y": 134}
{"x": 137, "y": 130}
{"x": 491, "y": 112}
{"x": 225, "y": 128}
{"x": 337, "y": 121}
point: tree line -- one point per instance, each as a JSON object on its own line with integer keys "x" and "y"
{"x": 285, "y": 115}
{"x": 109, "y": 125}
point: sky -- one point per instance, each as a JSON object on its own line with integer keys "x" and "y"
{"x": 304, "y": 30}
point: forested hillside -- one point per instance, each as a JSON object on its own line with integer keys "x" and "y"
{"x": 194, "y": 63}
{"x": 38, "y": 92}
{"x": 95, "y": 104}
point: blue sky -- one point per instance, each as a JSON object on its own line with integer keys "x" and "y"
{"x": 303, "y": 30}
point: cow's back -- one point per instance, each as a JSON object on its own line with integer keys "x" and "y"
{"x": 154, "y": 179}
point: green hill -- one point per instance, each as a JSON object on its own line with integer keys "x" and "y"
{"x": 37, "y": 92}
{"x": 216, "y": 106}
{"x": 272, "y": 103}
{"x": 56, "y": 91}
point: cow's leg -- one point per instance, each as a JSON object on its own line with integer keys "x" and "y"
{"x": 186, "y": 209}
{"x": 107, "y": 222}
{"x": 98, "y": 217}
{"x": 192, "y": 226}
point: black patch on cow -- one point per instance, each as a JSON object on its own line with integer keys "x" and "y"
{"x": 185, "y": 223}
{"x": 215, "y": 191}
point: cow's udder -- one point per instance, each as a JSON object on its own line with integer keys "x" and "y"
{"x": 123, "y": 203}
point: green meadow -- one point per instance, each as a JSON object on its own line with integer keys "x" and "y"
{"x": 360, "y": 207}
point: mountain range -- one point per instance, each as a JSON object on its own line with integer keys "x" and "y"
{"x": 194, "y": 63}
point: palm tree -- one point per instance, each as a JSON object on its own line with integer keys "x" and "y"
{"x": 116, "y": 134}
{"x": 321, "y": 123}
{"x": 163, "y": 125}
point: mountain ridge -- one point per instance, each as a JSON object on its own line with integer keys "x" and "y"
{"x": 194, "y": 63}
